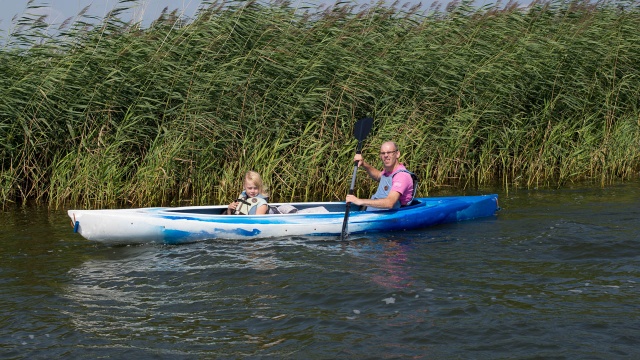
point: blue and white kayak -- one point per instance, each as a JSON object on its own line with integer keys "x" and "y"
{"x": 177, "y": 225}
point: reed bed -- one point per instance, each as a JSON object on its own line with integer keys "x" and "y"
{"x": 103, "y": 112}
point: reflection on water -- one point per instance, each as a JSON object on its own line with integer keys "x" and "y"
{"x": 171, "y": 292}
{"x": 555, "y": 275}
{"x": 390, "y": 256}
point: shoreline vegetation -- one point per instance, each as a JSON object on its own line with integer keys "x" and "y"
{"x": 106, "y": 113}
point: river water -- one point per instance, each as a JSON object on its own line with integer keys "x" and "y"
{"x": 555, "y": 275}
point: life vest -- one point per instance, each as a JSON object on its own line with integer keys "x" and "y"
{"x": 249, "y": 206}
{"x": 385, "y": 187}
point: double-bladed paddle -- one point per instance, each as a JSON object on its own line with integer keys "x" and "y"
{"x": 360, "y": 132}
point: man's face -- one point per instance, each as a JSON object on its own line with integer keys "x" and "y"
{"x": 388, "y": 155}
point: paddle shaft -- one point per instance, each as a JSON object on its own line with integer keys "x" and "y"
{"x": 344, "y": 232}
{"x": 353, "y": 178}
{"x": 360, "y": 131}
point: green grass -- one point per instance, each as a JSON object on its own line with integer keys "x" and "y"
{"x": 106, "y": 113}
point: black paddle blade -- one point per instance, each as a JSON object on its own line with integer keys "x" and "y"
{"x": 362, "y": 128}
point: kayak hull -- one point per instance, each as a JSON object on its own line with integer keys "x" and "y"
{"x": 176, "y": 225}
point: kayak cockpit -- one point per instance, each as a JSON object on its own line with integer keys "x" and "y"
{"x": 280, "y": 208}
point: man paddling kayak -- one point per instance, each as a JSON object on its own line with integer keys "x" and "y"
{"x": 397, "y": 185}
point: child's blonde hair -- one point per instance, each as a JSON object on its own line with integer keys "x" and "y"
{"x": 255, "y": 178}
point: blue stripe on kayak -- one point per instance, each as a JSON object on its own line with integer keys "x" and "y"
{"x": 173, "y": 237}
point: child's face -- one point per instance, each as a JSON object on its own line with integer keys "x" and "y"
{"x": 251, "y": 189}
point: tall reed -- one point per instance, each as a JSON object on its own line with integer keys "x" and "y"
{"x": 105, "y": 112}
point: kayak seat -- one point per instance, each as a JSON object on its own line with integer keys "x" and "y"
{"x": 413, "y": 202}
{"x": 282, "y": 209}
{"x": 290, "y": 209}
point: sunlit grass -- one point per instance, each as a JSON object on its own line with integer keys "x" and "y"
{"x": 106, "y": 113}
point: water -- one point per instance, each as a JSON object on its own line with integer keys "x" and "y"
{"x": 555, "y": 275}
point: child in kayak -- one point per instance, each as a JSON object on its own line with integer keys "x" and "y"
{"x": 253, "y": 200}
